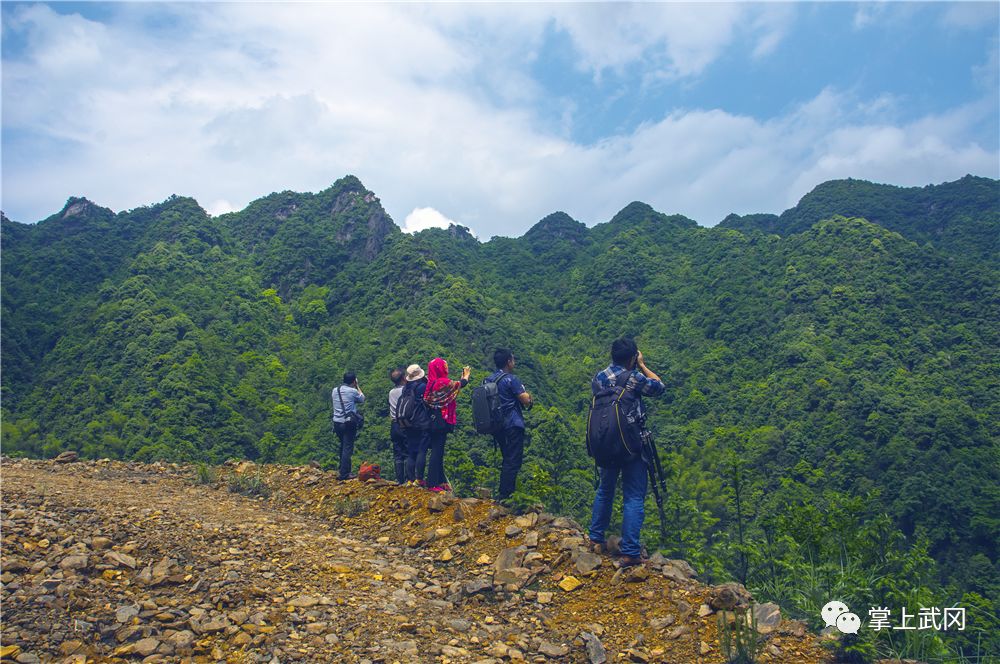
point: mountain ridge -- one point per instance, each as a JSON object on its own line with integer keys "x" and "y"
{"x": 927, "y": 220}
{"x": 817, "y": 383}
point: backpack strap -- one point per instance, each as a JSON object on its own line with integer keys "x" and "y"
{"x": 341, "y": 397}
{"x": 503, "y": 374}
{"x": 618, "y": 376}
{"x": 498, "y": 378}
{"x": 640, "y": 413}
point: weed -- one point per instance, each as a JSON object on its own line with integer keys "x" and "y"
{"x": 204, "y": 474}
{"x": 740, "y": 642}
{"x": 350, "y": 507}
{"x": 249, "y": 485}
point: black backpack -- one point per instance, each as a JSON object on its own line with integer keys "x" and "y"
{"x": 614, "y": 428}
{"x": 487, "y": 416}
{"x": 411, "y": 411}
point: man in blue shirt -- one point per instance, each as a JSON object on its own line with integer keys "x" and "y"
{"x": 513, "y": 397}
{"x": 626, "y": 364}
{"x": 345, "y": 399}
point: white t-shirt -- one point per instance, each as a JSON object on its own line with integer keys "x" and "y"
{"x": 394, "y": 401}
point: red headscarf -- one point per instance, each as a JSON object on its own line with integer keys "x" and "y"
{"x": 441, "y": 391}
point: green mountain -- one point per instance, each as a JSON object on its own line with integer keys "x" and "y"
{"x": 832, "y": 421}
{"x": 961, "y": 217}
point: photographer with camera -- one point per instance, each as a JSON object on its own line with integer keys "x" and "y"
{"x": 626, "y": 379}
{"x": 347, "y": 421}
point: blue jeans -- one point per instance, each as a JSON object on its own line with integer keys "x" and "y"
{"x": 633, "y": 505}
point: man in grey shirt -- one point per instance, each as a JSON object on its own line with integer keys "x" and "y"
{"x": 396, "y": 433}
{"x": 346, "y": 398}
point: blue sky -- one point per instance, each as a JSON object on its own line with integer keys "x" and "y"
{"x": 493, "y": 115}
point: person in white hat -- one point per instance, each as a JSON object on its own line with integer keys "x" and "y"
{"x": 413, "y": 416}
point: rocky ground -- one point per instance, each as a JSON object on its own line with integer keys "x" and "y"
{"x": 113, "y": 561}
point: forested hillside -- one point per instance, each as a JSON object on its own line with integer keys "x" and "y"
{"x": 832, "y": 421}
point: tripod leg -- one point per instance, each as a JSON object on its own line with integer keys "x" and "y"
{"x": 659, "y": 502}
{"x": 658, "y": 482}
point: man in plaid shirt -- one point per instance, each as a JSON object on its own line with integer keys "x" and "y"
{"x": 627, "y": 364}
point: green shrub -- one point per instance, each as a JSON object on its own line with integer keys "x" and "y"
{"x": 204, "y": 474}
{"x": 740, "y": 642}
{"x": 351, "y": 507}
{"x": 249, "y": 485}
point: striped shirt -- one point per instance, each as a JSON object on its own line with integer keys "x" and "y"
{"x": 636, "y": 381}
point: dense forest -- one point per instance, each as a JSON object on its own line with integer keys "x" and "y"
{"x": 831, "y": 428}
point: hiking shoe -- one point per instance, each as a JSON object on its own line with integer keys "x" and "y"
{"x": 349, "y": 477}
{"x": 630, "y": 561}
{"x": 598, "y": 547}
{"x": 446, "y": 487}
{"x": 436, "y": 489}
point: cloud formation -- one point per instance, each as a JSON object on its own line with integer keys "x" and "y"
{"x": 434, "y": 107}
{"x": 423, "y": 218}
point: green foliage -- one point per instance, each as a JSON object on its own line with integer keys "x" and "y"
{"x": 204, "y": 474}
{"x": 350, "y": 507}
{"x": 739, "y": 641}
{"x": 832, "y": 416}
{"x": 249, "y": 485}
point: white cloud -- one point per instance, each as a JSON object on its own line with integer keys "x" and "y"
{"x": 681, "y": 38}
{"x": 430, "y": 105}
{"x": 987, "y": 75}
{"x": 220, "y": 207}
{"x": 772, "y": 23}
{"x": 423, "y": 218}
{"x": 971, "y": 15}
{"x": 868, "y": 13}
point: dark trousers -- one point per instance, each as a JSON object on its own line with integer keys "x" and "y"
{"x": 399, "y": 451}
{"x": 435, "y": 461}
{"x": 511, "y": 444}
{"x": 416, "y": 453}
{"x": 347, "y": 432}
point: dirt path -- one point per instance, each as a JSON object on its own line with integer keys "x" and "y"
{"x": 112, "y": 561}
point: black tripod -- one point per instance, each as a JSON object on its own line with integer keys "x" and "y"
{"x": 657, "y": 479}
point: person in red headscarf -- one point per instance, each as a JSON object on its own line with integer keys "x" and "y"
{"x": 440, "y": 395}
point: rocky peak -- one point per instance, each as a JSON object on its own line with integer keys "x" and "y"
{"x": 82, "y": 208}
{"x": 462, "y": 233}
{"x": 359, "y": 214}
{"x": 75, "y": 206}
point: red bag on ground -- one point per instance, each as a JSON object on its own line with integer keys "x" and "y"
{"x": 369, "y": 471}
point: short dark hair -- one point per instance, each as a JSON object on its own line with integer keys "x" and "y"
{"x": 397, "y": 375}
{"x": 501, "y": 356}
{"x": 349, "y": 378}
{"x": 623, "y": 350}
